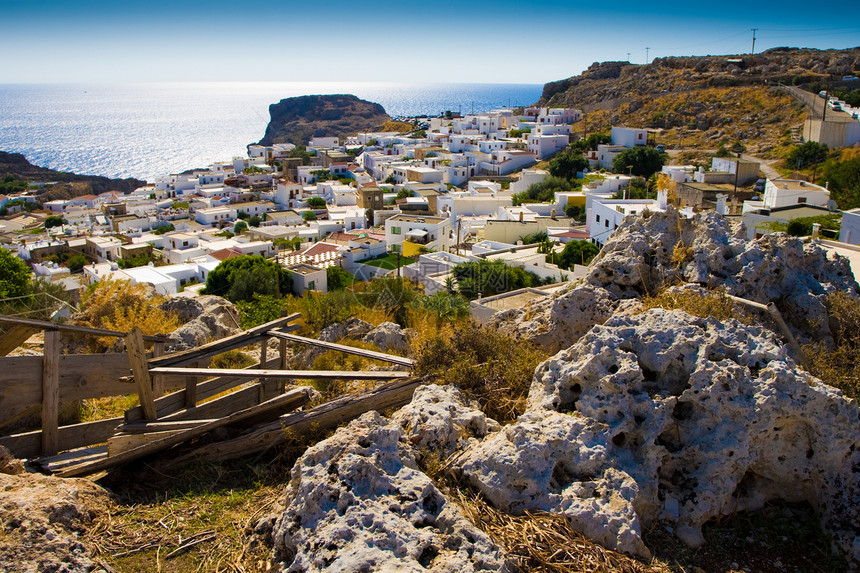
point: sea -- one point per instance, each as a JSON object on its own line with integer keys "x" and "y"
{"x": 145, "y": 130}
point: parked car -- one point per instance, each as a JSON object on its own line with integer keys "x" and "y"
{"x": 661, "y": 149}
{"x": 759, "y": 186}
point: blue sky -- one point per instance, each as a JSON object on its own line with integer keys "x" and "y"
{"x": 386, "y": 41}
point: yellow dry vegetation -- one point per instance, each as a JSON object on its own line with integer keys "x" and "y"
{"x": 400, "y": 126}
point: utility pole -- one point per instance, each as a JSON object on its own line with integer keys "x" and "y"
{"x": 628, "y": 56}
{"x": 646, "y": 54}
{"x": 753, "y": 30}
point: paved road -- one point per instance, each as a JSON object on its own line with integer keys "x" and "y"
{"x": 817, "y": 105}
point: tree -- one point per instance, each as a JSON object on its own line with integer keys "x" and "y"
{"x": 163, "y": 229}
{"x": 337, "y": 278}
{"x": 491, "y": 278}
{"x": 77, "y": 261}
{"x": 591, "y": 142}
{"x": 254, "y": 220}
{"x": 574, "y": 253}
{"x": 809, "y": 153}
{"x": 575, "y": 212}
{"x": 542, "y": 192}
{"x": 316, "y": 202}
{"x": 568, "y": 164}
{"x": 640, "y": 160}
{"x": 309, "y": 216}
{"x": 240, "y": 278}
{"x": 54, "y": 221}
{"x": 14, "y": 275}
{"x": 844, "y": 178}
{"x": 240, "y": 226}
{"x": 404, "y": 194}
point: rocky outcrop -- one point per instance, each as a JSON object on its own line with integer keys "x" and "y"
{"x": 388, "y": 337}
{"x": 16, "y": 165}
{"x": 358, "y": 502}
{"x": 350, "y": 328}
{"x": 644, "y": 255}
{"x": 440, "y": 420}
{"x": 666, "y": 417}
{"x": 207, "y": 317}
{"x": 43, "y": 518}
{"x": 298, "y": 119}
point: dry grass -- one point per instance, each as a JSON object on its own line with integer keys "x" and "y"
{"x": 715, "y": 303}
{"x": 545, "y": 542}
{"x": 839, "y": 365}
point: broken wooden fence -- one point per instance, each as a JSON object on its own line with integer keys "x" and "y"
{"x": 30, "y": 383}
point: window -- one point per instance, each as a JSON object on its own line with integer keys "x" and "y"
{"x": 597, "y": 218}
{"x": 606, "y": 223}
{"x": 395, "y": 230}
{"x": 312, "y": 285}
{"x": 801, "y": 199}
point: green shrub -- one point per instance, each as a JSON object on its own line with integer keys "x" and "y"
{"x": 839, "y": 365}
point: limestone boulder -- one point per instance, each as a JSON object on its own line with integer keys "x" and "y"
{"x": 358, "y": 502}
{"x": 43, "y": 518}
{"x": 705, "y": 418}
{"x": 439, "y": 419}
{"x": 213, "y": 318}
{"x": 388, "y": 337}
{"x": 350, "y": 328}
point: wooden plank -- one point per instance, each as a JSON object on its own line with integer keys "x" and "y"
{"x": 175, "y": 401}
{"x": 223, "y": 345}
{"x": 282, "y": 354}
{"x": 143, "y": 427}
{"x": 51, "y": 393}
{"x": 220, "y": 407}
{"x": 29, "y": 444}
{"x": 137, "y": 358}
{"x": 288, "y": 401}
{"x": 47, "y": 325}
{"x": 323, "y": 417}
{"x": 15, "y": 337}
{"x": 125, "y": 442}
{"x": 402, "y": 361}
{"x": 82, "y": 376}
{"x": 158, "y": 381}
{"x": 306, "y": 374}
{"x": 73, "y": 458}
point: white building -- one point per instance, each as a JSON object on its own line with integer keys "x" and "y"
{"x": 308, "y": 278}
{"x": 215, "y": 215}
{"x": 607, "y": 214}
{"x": 628, "y": 137}
{"x": 431, "y": 232}
{"x": 787, "y": 192}
{"x": 850, "y": 230}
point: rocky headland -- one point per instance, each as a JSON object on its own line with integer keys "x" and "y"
{"x": 298, "y": 119}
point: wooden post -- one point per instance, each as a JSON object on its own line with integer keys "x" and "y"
{"x": 51, "y": 393}
{"x": 140, "y": 369}
{"x": 282, "y": 349}
{"x": 264, "y": 354}
{"x": 158, "y": 380}
{"x": 191, "y": 390}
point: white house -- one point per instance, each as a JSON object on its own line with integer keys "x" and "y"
{"x": 607, "y": 214}
{"x": 850, "y": 230}
{"x": 215, "y": 215}
{"x": 787, "y": 192}
{"x": 629, "y": 137}
{"x": 431, "y": 232}
{"x": 308, "y": 278}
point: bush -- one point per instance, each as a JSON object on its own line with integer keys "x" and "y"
{"x": 261, "y": 308}
{"x": 575, "y": 212}
{"x": 316, "y": 202}
{"x": 490, "y": 278}
{"x": 120, "y": 305}
{"x": 77, "y": 261}
{"x": 309, "y": 216}
{"x": 802, "y": 226}
{"x": 240, "y": 226}
{"x": 337, "y": 278}
{"x": 568, "y": 164}
{"x": 490, "y": 367}
{"x": 240, "y": 278}
{"x": 809, "y": 153}
{"x": 163, "y": 229}
{"x": 14, "y": 275}
{"x": 231, "y": 359}
{"x": 574, "y": 253}
{"x": 542, "y": 191}
{"x": 54, "y": 221}
{"x": 443, "y": 306}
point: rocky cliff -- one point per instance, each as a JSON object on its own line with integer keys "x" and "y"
{"x": 702, "y": 99}
{"x": 298, "y": 119}
{"x": 72, "y": 185}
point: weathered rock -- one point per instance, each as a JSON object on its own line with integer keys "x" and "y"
{"x": 350, "y": 328}
{"x": 357, "y": 502}
{"x": 706, "y": 418}
{"x": 9, "y": 464}
{"x": 560, "y": 322}
{"x": 388, "y": 336}
{"x": 184, "y": 308}
{"x": 439, "y": 419}
{"x": 640, "y": 258}
{"x": 42, "y": 518}
{"x": 217, "y": 318}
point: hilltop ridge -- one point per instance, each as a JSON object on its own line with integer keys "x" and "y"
{"x": 702, "y": 99}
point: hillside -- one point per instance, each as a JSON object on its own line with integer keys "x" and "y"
{"x": 71, "y": 184}
{"x": 703, "y": 101}
{"x": 297, "y": 119}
